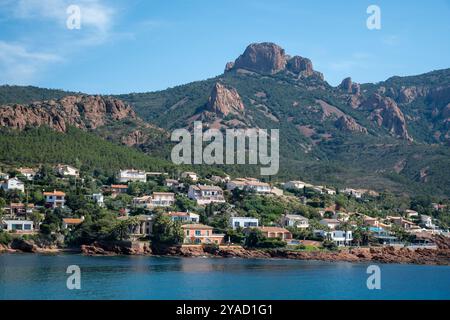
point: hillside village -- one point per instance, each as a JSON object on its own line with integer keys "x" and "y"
{"x": 62, "y": 207}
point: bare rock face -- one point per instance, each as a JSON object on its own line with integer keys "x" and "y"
{"x": 386, "y": 113}
{"x": 348, "y": 86}
{"x": 301, "y": 66}
{"x": 23, "y": 245}
{"x": 265, "y": 58}
{"x": 407, "y": 95}
{"x": 84, "y": 112}
{"x": 134, "y": 138}
{"x": 229, "y": 66}
{"x": 224, "y": 101}
{"x": 269, "y": 58}
{"x": 347, "y": 123}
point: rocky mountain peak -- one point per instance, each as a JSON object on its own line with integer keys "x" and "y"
{"x": 224, "y": 101}
{"x": 348, "y": 86}
{"x": 270, "y": 58}
{"x": 300, "y": 65}
{"x": 265, "y": 58}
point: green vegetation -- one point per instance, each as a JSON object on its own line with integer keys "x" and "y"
{"x": 43, "y": 145}
{"x": 167, "y": 232}
{"x": 255, "y": 239}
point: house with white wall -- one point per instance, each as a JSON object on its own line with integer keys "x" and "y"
{"x": 330, "y": 223}
{"x": 28, "y": 173}
{"x": 64, "y": 170}
{"x": 131, "y": 175}
{"x": 184, "y": 217}
{"x": 19, "y": 226}
{"x": 249, "y": 184}
{"x": 339, "y": 237}
{"x": 190, "y": 175}
{"x": 55, "y": 199}
{"x": 243, "y": 222}
{"x": 13, "y": 184}
{"x": 205, "y": 194}
{"x": 163, "y": 199}
{"x": 295, "y": 220}
{"x": 295, "y": 184}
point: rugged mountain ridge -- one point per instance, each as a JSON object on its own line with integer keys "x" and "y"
{"x": 109, "y": 117}
{"x": 83, "y": 112}
{"x": 389, "y": 135}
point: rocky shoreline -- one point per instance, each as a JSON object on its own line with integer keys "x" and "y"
{"x": 439, "y": 256}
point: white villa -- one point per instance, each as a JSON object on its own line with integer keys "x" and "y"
{"x": 20, "y": 226}
{"x": 295, "y": 220}
{"x": 67, "y": 171}
{"x": 352, "y": 192}
{"x": 204, "y": 194}
{"x": 330, "y": 223}
{"x": 13, "y": 184}
{"x": 190, "y": 175}
{"x": 244, "y": 222}
{"x": 131, "y": 175}
{"x": 249, "y": 184}
{"x": 163, "y": 199}
{"x": 341, "y": 238}
{"x": 142, "y": 202}
{"x": 158, "y": 199}
{"x": 55, "y": 199}
{"x": 427, "y": 221}
{"x": 411, "y": 213}
{"x": 28, "y": 173}
{"x": 98, "y": 199}
{"x": 184, "y": 217}
{"x": 294, "y": 185}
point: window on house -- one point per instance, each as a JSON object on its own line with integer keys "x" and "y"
{"x": 198, "y": 233}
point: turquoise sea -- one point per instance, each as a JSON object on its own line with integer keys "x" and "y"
{"x": 32, "y": 276}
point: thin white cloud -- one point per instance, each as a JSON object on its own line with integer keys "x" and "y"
{"x": 19, "y": 65}
{"x": 357, "y": 60}
{"x": 391, "y": 40}
{"x": 23, "y": 60}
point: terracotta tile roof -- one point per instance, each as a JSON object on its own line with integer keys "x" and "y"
{"x": 196, "y": 226}
{"x": 21, "y": 205}
{"x": 178, "y": 214}
{"x": 72, "y": 220}
{"x": 119, "y": 186}
{"x": 54, "y": 193}
{"x": 206, "y": 188}
{"x": 273, "y": 229}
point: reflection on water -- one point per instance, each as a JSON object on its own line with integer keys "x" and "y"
{"x": 26, "y": 276}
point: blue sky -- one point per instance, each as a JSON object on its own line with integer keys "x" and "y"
{"x": 146, "y": 45}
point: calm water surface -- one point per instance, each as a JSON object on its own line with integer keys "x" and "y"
{"x": 31, "y": 276}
